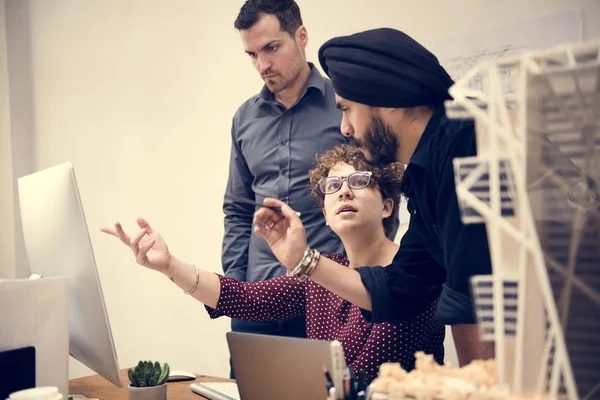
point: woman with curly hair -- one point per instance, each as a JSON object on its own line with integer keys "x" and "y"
{"x": 357, "y": 200}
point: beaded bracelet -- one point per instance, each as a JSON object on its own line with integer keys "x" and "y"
{"x": 303, "y": 263}
{"x": 316, "y": 256}
{"x": 307, "y": 264}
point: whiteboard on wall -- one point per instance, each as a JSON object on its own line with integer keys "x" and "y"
{"x": 461, "y": 54}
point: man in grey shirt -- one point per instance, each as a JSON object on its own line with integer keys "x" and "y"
{"x": 275, "y": 138}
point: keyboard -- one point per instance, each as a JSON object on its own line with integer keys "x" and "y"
{"x": 216, "y": 390}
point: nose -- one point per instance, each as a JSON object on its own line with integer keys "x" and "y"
{"x": 346, "y": 127}
{"x": 345, "y": 191}
{"x": 262, "y": 64}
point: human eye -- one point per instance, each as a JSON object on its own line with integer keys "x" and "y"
{"x": 333, "y": 185}
{"x": 359, "y": 179}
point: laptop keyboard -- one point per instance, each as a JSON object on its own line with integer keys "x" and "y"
{"x": 217, "y": 390}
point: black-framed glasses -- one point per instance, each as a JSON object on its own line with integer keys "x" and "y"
{"x": 356, "y": 180}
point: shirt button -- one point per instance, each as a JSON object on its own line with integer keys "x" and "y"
{"x": 284, "y": 142}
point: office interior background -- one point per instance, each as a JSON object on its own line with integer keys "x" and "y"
{"x": 139, "y": 96}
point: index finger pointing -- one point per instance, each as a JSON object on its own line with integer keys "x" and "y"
{"x": 109, "y": 231}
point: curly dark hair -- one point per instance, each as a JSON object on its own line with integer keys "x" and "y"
{"x": 286, "y": 11}
{"x": 385, "y": 177}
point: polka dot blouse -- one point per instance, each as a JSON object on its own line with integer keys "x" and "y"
{"x": 329, "y": 317}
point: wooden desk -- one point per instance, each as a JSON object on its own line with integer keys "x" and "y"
{"x": 97, "y": 387}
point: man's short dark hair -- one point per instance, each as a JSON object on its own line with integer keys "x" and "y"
{"x": 286, "y": 11}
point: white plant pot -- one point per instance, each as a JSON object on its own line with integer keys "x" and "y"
{"x": 148, "y": 393}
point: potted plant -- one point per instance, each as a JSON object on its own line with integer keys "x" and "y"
{"x": 148, "y": 381}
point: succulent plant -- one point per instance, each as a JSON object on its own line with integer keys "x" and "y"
{"x": 147, "y": 374}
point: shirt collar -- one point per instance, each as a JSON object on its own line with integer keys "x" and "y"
{"x": 315, "y": 80}
{"x": 420, "y": 156}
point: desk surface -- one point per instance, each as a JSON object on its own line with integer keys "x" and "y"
{"x": 97, "y": 387}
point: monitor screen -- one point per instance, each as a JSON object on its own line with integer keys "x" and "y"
{"x": 57, "y": 243}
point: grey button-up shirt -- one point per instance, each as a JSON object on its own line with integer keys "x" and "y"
{"x": 272, "y": 150}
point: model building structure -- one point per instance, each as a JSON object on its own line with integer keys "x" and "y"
{"x": 535, "y": 183}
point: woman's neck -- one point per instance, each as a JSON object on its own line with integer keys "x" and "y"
{"x": 370, "y": 250}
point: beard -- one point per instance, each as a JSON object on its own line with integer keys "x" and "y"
{"x": 380, "y": 142}
{"x": 277, "y": 83}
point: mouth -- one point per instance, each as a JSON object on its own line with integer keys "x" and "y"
{"x": 361, "y": 144}
{"x": 346, "y": 209}
{"x": 269, "y": 76}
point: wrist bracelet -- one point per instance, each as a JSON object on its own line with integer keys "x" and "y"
{"x": 196, "y": 283}
{"x": 307, "y": 265}
{"x": 304, "y": 260}
{"x": 314, "y": 261}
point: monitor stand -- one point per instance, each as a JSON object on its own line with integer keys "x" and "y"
{"x": 71, "y": 396}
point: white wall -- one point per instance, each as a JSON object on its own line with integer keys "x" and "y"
{"x": 139, "y": 95}
{"x": 16, "y": 129}
{"x": 7, "y": 226}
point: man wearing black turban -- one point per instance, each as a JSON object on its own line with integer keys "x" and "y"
{"x": 391, "y": 91}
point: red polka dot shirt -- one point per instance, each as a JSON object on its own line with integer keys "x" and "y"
{"x": 329, "y": 317}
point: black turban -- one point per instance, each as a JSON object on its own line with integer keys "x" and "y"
{"x": 384, "y": 68}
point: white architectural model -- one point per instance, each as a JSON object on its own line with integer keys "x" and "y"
{"x": 536, "y": 185}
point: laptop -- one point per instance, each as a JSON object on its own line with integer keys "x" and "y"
{"x": 274, "y": 368}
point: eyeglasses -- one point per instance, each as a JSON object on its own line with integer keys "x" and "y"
{"x": 356, "y": 180}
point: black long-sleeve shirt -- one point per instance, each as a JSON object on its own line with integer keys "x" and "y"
{"x": 438, "y": 253}
{"x": 329, "y": 317}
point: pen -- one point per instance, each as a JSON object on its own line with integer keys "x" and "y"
{"x": 353, "y": 385}
{"x": 347, "y": 393}
{"x": 329, "y": 383}
{"x": 244, "y": 200}
{"x": 362, "y": 380}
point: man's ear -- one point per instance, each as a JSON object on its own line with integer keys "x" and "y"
{"x": 302, "y": 36}
{"x": 391, "y": 111}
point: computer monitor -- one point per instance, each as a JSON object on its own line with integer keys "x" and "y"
{"x": 57, "y": 243}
